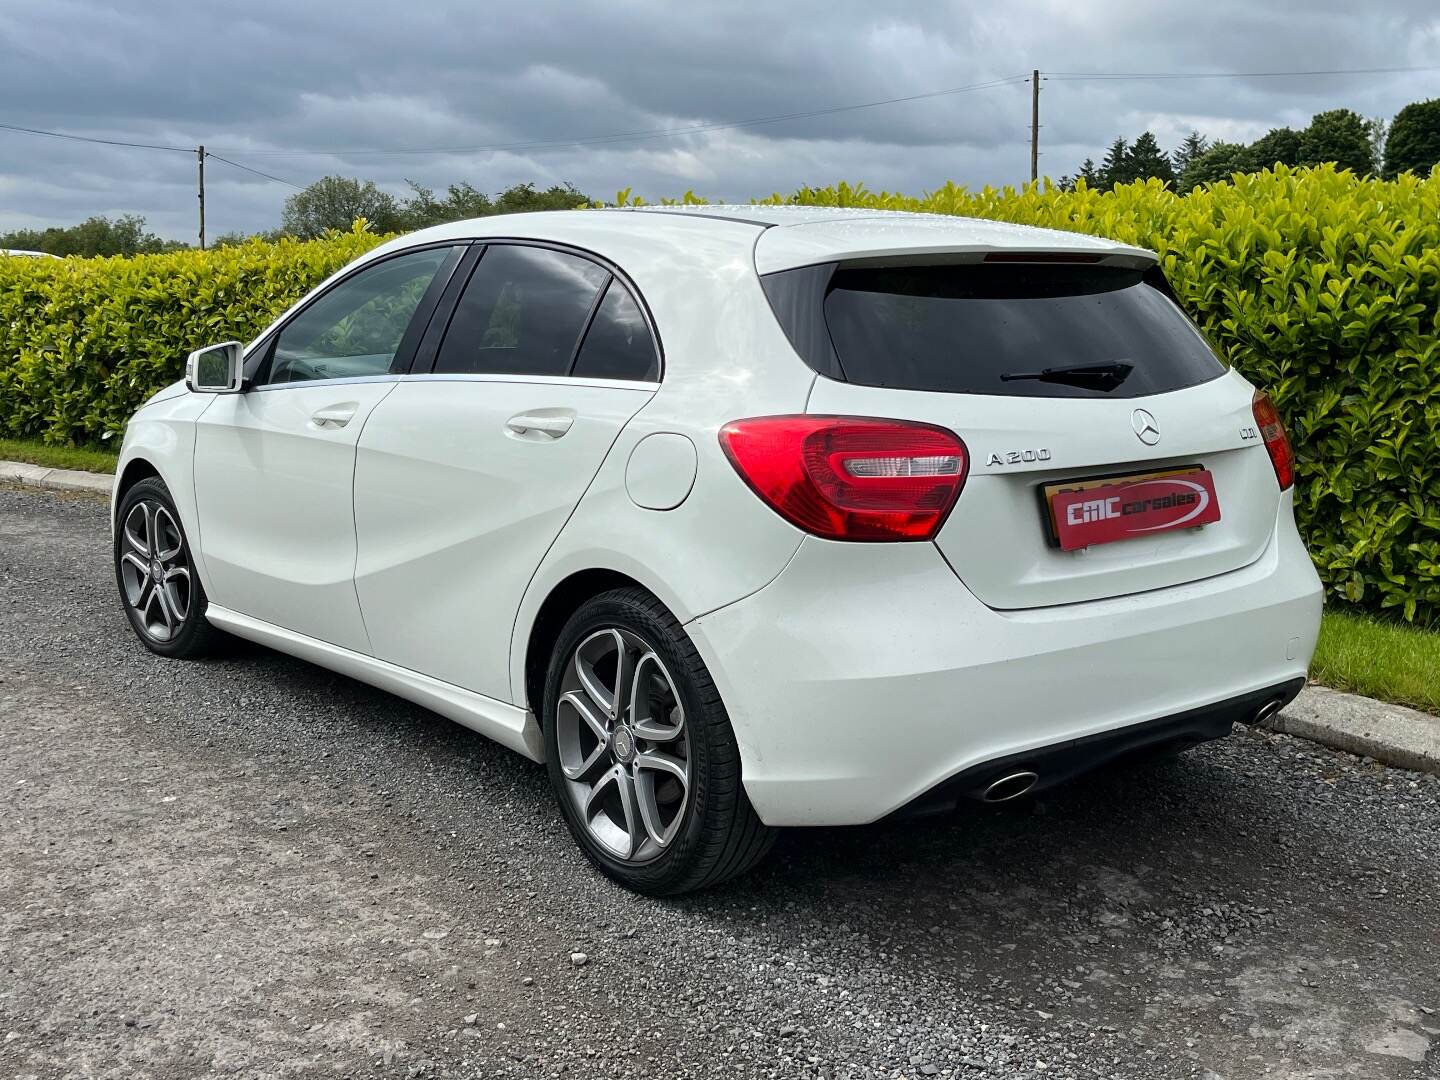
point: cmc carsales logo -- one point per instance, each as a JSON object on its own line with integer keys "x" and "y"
{"x": 1103, "y": 513}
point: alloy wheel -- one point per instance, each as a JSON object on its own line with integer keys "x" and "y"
{"x": 154, "y": 572}
{"x": 623, "y": 745}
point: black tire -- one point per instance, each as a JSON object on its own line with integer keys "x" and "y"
{"x": 179, "y": 630}
{"x": 717, "y": 834}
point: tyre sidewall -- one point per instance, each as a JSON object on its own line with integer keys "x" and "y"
{"x": 660, "y": 875}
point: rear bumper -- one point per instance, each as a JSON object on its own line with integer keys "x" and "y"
{"x": 991, "y": 781}
{"x": 865, "y": 676}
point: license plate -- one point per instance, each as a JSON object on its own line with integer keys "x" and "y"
{"x": 1084, "y": 513}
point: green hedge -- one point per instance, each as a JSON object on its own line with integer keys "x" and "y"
{"x": 1322, "y": 287}
{"x": 84, "y": 341}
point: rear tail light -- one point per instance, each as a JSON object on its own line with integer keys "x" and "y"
{"x": 850, "y": 478}
{"x": 1267, "y": 419}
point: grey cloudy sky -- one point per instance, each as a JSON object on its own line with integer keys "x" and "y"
{"x": 291, "y": 87}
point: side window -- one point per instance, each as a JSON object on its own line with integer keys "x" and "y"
{"x": 618, "y": 344}
{"x": 522, "y": 313}
{"x": 356, "y": 328}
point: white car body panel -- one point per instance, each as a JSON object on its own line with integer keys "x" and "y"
{"x": 275, "y": 496}
{"x": 856, "y": 676}
{"x": 454, "y": 511}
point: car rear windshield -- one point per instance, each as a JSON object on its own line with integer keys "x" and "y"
{"x": 1032, "y": 330}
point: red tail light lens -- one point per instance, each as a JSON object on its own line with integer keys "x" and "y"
{"x": 1267, "y": 419}
{"x": 850, "y": 478}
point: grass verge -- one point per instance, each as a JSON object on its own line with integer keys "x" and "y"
{"x": 34, "y": 452}
{"x": 1379, "y": 659}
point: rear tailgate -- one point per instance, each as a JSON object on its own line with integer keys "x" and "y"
{"x": 999, "y": 538}
{"x": 1069, "y": 369}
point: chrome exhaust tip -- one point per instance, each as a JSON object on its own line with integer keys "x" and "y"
{"x": 1267, "y": 711}
{"x": 1011, "y": 786}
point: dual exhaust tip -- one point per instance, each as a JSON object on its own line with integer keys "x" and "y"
{"x": 1021, "y": 782}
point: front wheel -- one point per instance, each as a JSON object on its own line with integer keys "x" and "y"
{"x": 154, "y": 568}
{"x": 640, "y": 751}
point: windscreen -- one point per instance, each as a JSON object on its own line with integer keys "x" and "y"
{"x": 1021, "y": 330}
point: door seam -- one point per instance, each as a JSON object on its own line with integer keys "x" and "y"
{"x": 355, "y": 519}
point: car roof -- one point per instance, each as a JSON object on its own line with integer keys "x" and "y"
{"x": 781, "y": 237}
{"x": 798, "y": 236}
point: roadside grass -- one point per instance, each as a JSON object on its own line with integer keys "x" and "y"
{"x": 1379, "y": 659}
{"x": 34, "y": 452}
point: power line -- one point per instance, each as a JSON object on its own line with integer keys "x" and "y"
{"x": 1094, "y": 76}
{"x": 92, "y": 139}
{"x": 653, "y": 133}
{"x": 257, "y": 172}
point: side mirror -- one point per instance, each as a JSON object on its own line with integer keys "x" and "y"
{"x": 218, "y": 369}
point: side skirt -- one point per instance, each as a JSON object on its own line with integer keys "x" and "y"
{"x": 509, "y": 725}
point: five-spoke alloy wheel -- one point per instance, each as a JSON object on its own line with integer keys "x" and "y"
{"x": 641, "y": 753}
{"x": 163, "y": 597}
{"x": 623, "y": 745}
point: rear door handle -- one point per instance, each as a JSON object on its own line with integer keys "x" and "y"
{"x": 546, "y": 423}
{"x": 335, "y": 416}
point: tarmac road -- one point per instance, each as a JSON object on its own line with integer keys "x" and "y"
{"x": 251, "y": 867}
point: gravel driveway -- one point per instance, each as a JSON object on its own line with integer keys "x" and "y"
{"x": 251, "y": 867}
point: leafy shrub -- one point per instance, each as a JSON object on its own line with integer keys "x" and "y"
{"x": 1316, "y": 284}
{"x": 84, "y": 341}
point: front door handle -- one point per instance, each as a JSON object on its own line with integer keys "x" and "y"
{"x": 546, "y": 423}
{"x": 335, "y": 416}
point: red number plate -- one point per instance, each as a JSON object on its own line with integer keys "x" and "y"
{"x": 1088, "y": 512}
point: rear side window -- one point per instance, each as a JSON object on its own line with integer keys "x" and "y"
{"x": 618, "y": 344}
{"x": 1030, "y": 330}
{"x": 522, "y": 313}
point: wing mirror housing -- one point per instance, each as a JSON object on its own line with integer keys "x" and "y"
{"x": 216, "y": 369}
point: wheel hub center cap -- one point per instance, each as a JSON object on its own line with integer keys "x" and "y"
{"x": 623, "y": 743}
{"x": 157, "y": 572}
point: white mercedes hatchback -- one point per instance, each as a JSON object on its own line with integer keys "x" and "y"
{"x": 739, "y": 517}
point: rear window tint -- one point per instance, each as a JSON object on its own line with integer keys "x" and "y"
{"x": 618, "y": 344}
{"x": 1018, "y": 330}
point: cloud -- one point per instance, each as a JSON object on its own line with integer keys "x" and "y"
{"x": 298, "y": 90}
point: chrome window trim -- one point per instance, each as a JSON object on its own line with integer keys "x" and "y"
{"x": 345, "y": 380}
{"x": 539, "y": 380}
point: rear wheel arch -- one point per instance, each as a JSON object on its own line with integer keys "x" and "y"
{"x": 564, "y": 600}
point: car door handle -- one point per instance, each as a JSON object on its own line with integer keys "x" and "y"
{"x": 546, "y": 424}
{"x": 335, "y": 416}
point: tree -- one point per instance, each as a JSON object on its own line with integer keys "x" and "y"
{"x": 1217, "y": 163}
{"x": 1413, "y": 143}
{"x": 1115, "y": 168}
{"x": 524, "y": 197}
{"x": 126, "y": 235}
{"x": 1338, "y": 135}
{"x": 1378, "y": 128}
{"x": 334, "y": 202}
{"x": 465, "y": 201}
{"x": 1194, "y": 145}
{"x": 1278, "y": 146}
{"x": 1147, "y": 161}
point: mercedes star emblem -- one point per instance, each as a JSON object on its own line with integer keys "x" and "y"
{"x": 1146, "y": 429}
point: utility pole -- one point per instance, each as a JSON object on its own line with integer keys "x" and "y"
{"x": 1034, "y": 126}
{"x": 200, "y": 156}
